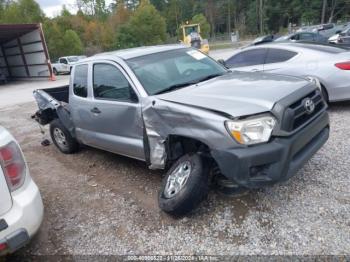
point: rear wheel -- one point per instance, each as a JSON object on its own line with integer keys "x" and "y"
{"x": 62, "y": 139}
{"x": 185, "y": 185}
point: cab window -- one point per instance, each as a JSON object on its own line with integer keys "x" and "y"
{"x": 63, "y": 61}
{"x": 80, "y": 80}
{"x": 109, "y": 83}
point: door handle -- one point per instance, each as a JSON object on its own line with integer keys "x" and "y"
{"x": 255, "y": 70}
{"x": 95, "y": 110}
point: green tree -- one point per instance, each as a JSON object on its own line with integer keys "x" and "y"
{"x": 22, "y": 11}
{"x": 145, "y": 27}
{"x": 54, "y": 39}
{"x": 123, "y": 38}
{"x": 205, "y": 26}
{"x": 71, "y": 43}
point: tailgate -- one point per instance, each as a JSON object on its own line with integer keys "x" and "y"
{"x": 5, "y": 197}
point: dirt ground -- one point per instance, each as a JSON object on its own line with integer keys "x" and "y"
{"x": 100, "y": 203}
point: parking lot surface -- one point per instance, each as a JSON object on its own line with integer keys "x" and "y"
{"x": 19, "y": 92}
{"x": 100, "y": 203}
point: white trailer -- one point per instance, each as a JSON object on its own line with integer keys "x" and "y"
{"x": 23, "y": 52}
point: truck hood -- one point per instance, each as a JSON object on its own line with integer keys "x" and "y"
{"x": 237, "y": 93}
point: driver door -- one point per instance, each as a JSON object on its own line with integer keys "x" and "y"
{"x": 115, "y": 121}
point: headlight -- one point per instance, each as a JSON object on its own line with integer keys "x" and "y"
{"x": 251, "y": 131}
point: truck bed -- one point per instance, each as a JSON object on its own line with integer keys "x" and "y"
{"x": 52, "y": 103}
{"x": 60, "y": 94}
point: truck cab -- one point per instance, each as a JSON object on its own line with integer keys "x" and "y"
{"x": 178, "y": 110}
{"x": 64, "y": 64}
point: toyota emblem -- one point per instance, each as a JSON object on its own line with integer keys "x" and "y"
{"x": 309, "y": 106}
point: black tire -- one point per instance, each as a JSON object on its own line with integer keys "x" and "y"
{"x": 68, "y": 145}
{"x": 193, "y": 191}
{"x": 55, "y": 71}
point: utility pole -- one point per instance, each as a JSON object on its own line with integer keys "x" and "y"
{"x": 261, "y": 17}
{"x": 324, "y": 11}
{"x": 229, "y": 17}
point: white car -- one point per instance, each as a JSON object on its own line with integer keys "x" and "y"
{"x": 326, "y": 65}
{"x": 21, "y": 206}
{"x": 64, "y": 64}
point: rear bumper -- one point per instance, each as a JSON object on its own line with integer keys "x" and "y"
{"x": 278, "y": 160}
{"x": 24, "y": 218}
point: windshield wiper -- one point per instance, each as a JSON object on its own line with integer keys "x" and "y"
{"x": 174, "y": 87}
{"x": 181, "y": 85}
{"x": 208, "y": 77}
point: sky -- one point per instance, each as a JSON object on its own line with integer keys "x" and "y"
{"x": 53, "y": 8}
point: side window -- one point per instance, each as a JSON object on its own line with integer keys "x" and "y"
{"x": 295, "y": 37}
{"x": 279, "y": 55}
{"x": 306, "y": 36}
{"x": 247, "y": 58}
{"x": 80, "y": 80}
{"x": 63, "y": 61}
{"x": 111, "y": 84}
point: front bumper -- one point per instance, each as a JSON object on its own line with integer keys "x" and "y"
{"x": 278, "y": 160}
{"x": 23, "y": 220}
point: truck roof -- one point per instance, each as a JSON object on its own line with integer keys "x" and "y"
{"x": 140, "y": 51}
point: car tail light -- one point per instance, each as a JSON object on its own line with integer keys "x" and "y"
{"x": 13, "y": 165}
{"x": 3, "y": 246}
{"x": 343, "y": 65}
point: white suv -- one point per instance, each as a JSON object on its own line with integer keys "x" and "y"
{"x": 21, "y": 207}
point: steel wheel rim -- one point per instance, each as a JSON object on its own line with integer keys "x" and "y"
{"x": 177, "y": 179}
{"x": 60, "y": 138}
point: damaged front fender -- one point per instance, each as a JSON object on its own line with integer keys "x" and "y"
{"x": 163, "y": 119}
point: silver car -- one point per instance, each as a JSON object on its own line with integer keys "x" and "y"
{"x": 326, "y": 65}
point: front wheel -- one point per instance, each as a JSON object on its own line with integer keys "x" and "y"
{"x": 62, "y": 139}
{"x": 185, "y": 185}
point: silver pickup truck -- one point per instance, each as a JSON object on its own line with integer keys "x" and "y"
{"x": 179, "y": 110}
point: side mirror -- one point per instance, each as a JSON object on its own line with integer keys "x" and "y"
{"x": 222, "y": 61}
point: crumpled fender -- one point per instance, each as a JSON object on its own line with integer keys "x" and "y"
{"x": 163, "y": 118}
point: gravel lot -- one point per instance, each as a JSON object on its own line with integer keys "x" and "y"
{"x": 100, "y": 203}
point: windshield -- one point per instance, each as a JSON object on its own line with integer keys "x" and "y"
{"x": 73, "y": 59}
{"x": 191, "y": 29}
{"x": 283, "y": 38}
{"x": 160, "y": 71}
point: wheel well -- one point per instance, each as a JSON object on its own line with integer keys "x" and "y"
{"x": 177, "y": 146}
{"x": 324, "y": 89}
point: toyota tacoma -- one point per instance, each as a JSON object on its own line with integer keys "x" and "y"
{"x": 179, "y": 110}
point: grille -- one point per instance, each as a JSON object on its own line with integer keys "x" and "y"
{"x": 297, "y": 115}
